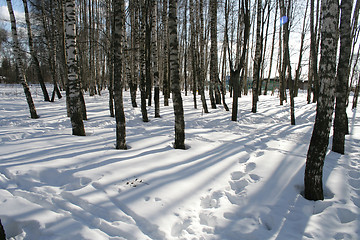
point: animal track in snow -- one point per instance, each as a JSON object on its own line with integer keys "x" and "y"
{"x": 254, "y": 177}
{"x": 244, "y": 159}
{"x": 237, "y": 175}
{"x": 238, "y": 186}
{"x": 250, "y": 166}
{"x": 354, "y": 174}
{"x": 259, "y": 153}
{"x": 345, "y": 215}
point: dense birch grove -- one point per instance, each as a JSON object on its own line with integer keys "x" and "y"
{"x": 149, "y": 48}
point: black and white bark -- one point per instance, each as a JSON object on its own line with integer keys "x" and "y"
{"x": 325, "y": 104}
{"x": 257, "y": 59}
{"x": 340, "y": 120}
{"x": 142, "y": 60}
{"x": 73, "y": 88}
{"x": 175, "y": 77}
{"x": 154, "y": 56}
{"x": 118, "y": 76}
{"x": 215, "y": 82}
{"x": 19, "y": 62}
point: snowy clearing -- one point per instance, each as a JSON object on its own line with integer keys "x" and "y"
{"x": 237, "y": 180}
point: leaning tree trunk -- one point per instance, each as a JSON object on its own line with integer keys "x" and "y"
{"x": 19, "y": 63}
{"x": 325, "y": 105}
{"x": 174, "y": 73}
{"x": 118, "y": 78}
{"x": 33, "y": 53}
{"x": 340, "y": 120}
{"x": 75, "y": 105}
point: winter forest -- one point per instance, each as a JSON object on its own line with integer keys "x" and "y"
{"x": 179, "y": 119}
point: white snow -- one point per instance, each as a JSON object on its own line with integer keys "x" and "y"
{"x": 237, "y": 180}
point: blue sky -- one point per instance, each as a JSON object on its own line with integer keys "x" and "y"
{"x": 4, "y": 13}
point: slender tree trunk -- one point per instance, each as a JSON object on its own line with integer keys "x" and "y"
{"x": 193, "y": 51}
{"x": 110, "y": 51}
{"x": 142, "y": 49}
{"x": 19, "y": 63}
{"x": 356, "y": 94}
{"x": 285, "y": 11}
{"x": 298, "y": 69}
{"x": 118, "y": 78}
{"x": 272, "y": 50}
{"x": 155, "y": 58}
{"x": 240, "y": 66}
{"x": 134, "y": 57}
{"x": 35, "y": 60}
{"x": 185, "y": 48}
{"x": 340, "y": 120}
{"x": 165, "y": 53}
{"x": 257, "y": 60}
{"x": 74, "y": 91}
{"x": 201, "y": 60}
{"x": 325, "y": 105}
{"x": 174, "y": 72}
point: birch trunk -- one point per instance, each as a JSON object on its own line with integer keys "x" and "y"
{"x": 340, "y": 120}
{"x": 257, "y": 60}
{"x": 34, "y": 58}
{"x": 75, "y": 109}
{"x": 19, "y": 63}
{"x": 154, "y": 56}
{"x": 325, "y": 104}
{"x": 175, "y": 78}
{"x": 118, "y": 77}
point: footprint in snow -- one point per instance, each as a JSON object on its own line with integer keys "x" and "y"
{"x": 238, "y": 186}
{"x": 355, "y": 183}
{"x": 254, "y": 177}
{"x": 250, "y": 166}
{"x": 259, "y": 153}
{"x": 237, "y": 175}
{"x": 354, "y": 174}
{"x": 345, "y": 215}
{"x": 244, "y": 159}
{"x": 320, "y": 206}
{"x": 356, "y": 201}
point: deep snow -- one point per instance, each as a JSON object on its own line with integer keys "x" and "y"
{"x": 237, "y": 180}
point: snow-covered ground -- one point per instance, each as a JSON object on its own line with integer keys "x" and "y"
{"x": 236, "y": 180}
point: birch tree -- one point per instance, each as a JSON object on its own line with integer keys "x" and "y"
{"x": 33, "y": 54}
{"x": 325, "y": 104}
{"x": 19, "y": 62}
{"x": 175, "y": 78}
{"x": 154, "y": 56}
{"x": 285, "y": 12}
{"x": 118, "y": 78}
{"x": 74, "y": 94}
{"x": 340, "y": 120}
{"x": 257, "y": 59}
